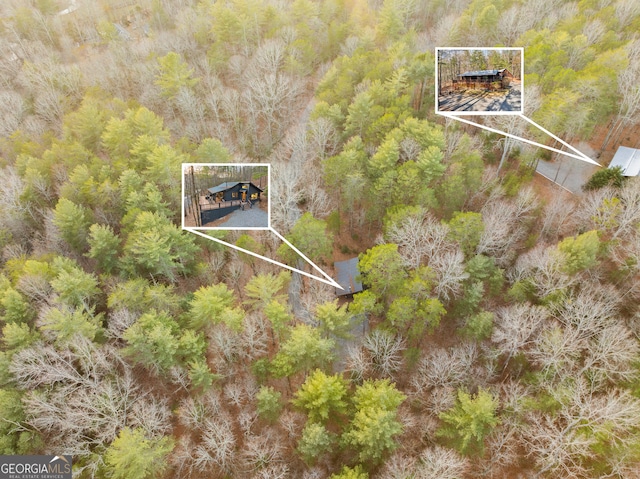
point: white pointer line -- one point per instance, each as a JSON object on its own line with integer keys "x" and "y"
{"x": 307, "y": 260}
{"x": 330, "y": 282}
{"x": 583, "y": 157}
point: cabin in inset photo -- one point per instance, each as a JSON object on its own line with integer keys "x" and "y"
{"x": 234, "y": 190}
{"x": 226, "y": 195}
{"x": 485, "y": 79}
{"x": 479, "y": 80}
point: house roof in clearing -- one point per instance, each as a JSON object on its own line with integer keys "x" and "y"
{"x": 481, "y": 73}
{"x": 227, "y": 185}
{"x": 346, "y": 274}
{"x": 628, "y": 159}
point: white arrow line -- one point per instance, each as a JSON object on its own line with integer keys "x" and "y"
{"x": 330, "y": 281}
{"x": 583, "y": 157}
{"x": 307, "y": 259}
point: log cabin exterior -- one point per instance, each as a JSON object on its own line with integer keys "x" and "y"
{"x": 486, "y": 79}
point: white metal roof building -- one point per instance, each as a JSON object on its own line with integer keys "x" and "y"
{"x": 628, "y": 159}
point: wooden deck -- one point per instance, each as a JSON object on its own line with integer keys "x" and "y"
{"x": 212, "y": 205}
{"x": 190, "y": 211}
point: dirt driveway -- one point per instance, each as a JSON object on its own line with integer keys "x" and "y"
{"x": 488, "y": 101}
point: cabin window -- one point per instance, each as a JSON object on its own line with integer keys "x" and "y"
{"x": 245, "y": 187}
{"x": 254, "y": 196}
{"x": 234, "y": 194}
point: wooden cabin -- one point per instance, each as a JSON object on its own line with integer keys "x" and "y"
{"x": 234, "y": 190}
{"x": 485, "y": 78}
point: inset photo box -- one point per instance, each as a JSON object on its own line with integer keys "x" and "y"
{"x": 479, "y": 81}
{"x": 226, "y": 196}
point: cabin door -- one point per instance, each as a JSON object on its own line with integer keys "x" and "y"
{"x": 244, "y": 196}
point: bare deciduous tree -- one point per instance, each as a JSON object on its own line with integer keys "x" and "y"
{"x": 43, "y": 365}
{"x": 12, "y": 109}
{"x": 316, "y": 199}
{"x": 13, "y": 210}
{"x": 35, "y": 287}
{"x": 502, "y": 451}
{"x": 268, "y": 58}
{"x": 557, "y": 352}
{"x": 192, "y": 413}
{"x": 193, "y": 111}
{"x": 119, "y": 320}
{"x": 511, "y": 124}
{"x": 183, "y": 457}
{"x": 440, "y": 400}
{"x": 449, "y": 269}
{"x": 273, "y": 471}
{"x": 445, "y": 368}
{"x": 385, "y": 351}
{"x": 225, "y": 347}
{"x": 323, "y": 137}
{"x": 261, "y": 452}
{"x": 254, "y": 336}
{"x": 594, "y": 30}
{"x": 179, "y": 376}
{"x": 505, "y": 225}
{"x": 629, "y": 93}
{"x": 513, "y": 23}
{"x": 611, "y": 355}
{"x": 82, "y": 396}
{"x": 441, "y": 462}
{"x": 541, "y": 267}
{"x": 270, "y": 96}
{"x": 559, "y": 444}
{"x": 557, "y": 220}
{"x": 398, "y": 466}
{"x": 218, "y": 446}
{"x": 152, "y": 414}
{"x": 234, "y": 394}
{"x": 629, "y": 217}
{"x": 233, "y": 272}
{"x": 357, "y": 363}
{"x": 419, "y": 237}
{"x": 246, "y": 420}
{"x": 589, "y": 310}
{"x": 626, "y": 10}
{"x": 516, "y": 327}
{"x": 285, "y": 194}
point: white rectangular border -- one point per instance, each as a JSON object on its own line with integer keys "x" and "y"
{"x": 217, "y": 228}
{"x": 476, "y": 113}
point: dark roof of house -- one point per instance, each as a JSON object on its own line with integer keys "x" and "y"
{"x": 346, "y": 274}
{"x": 227, "y": 185}
{"x": 628, "y": 159}
{"x": 481, "y": 73}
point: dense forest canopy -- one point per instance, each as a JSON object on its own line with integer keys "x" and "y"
{"x": 498, "y": 334}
